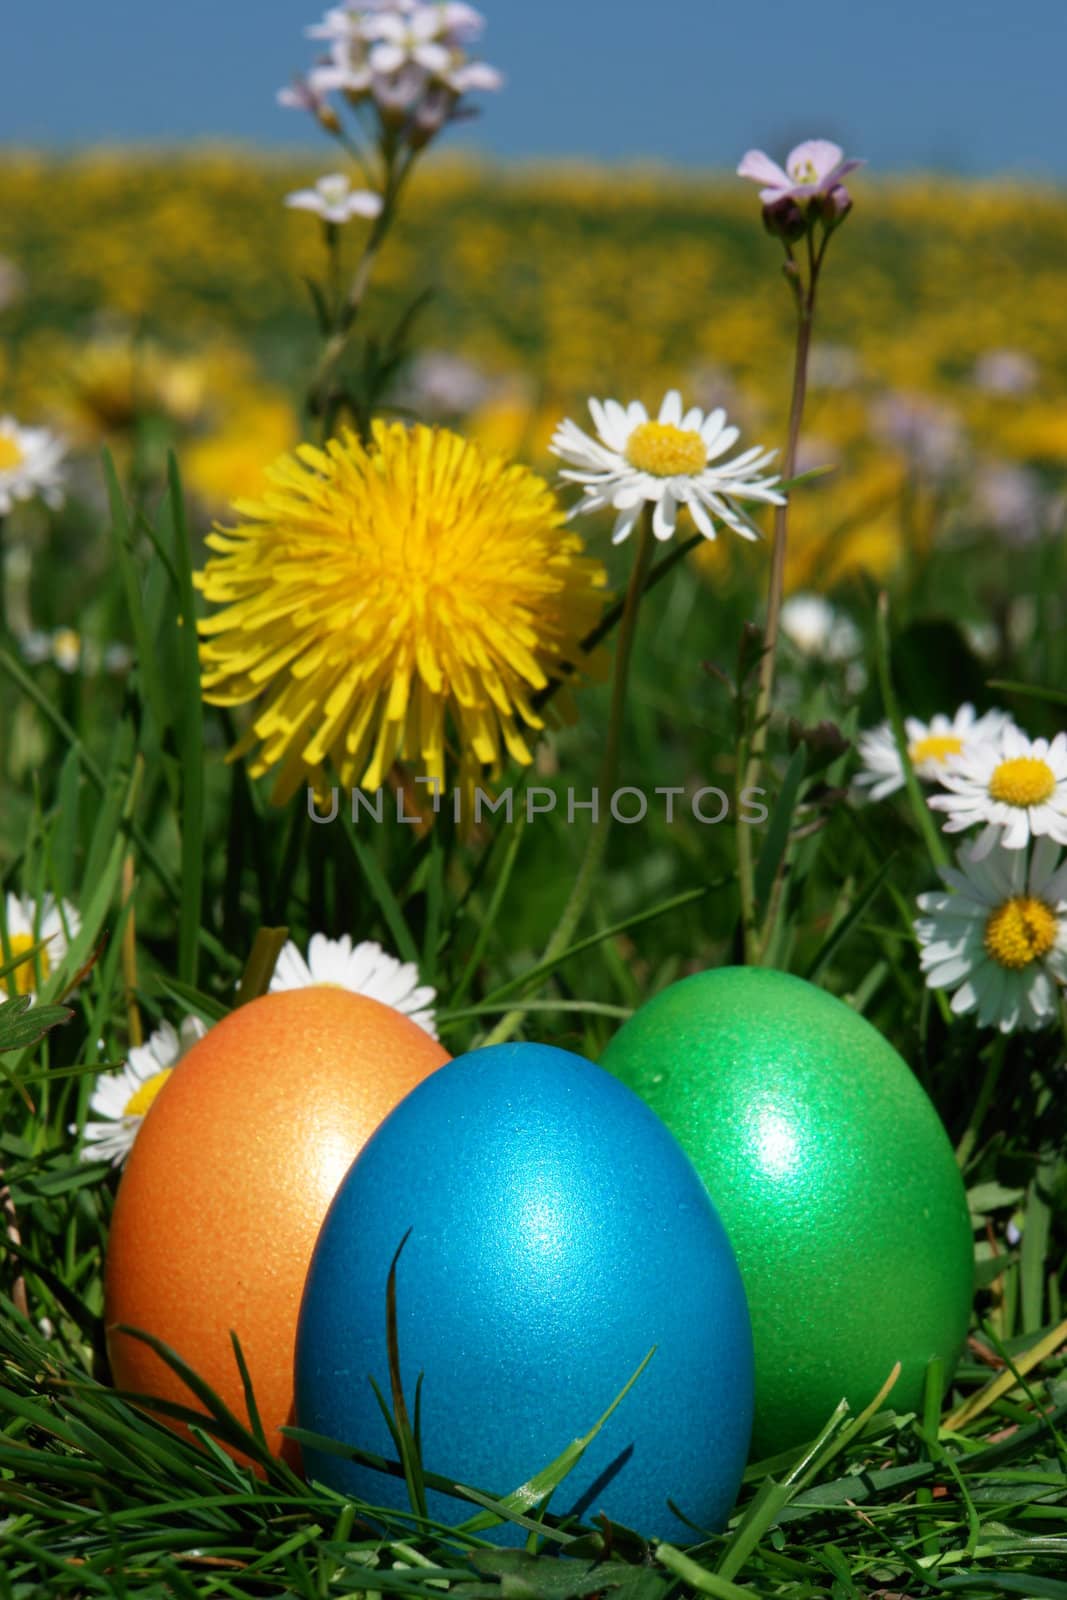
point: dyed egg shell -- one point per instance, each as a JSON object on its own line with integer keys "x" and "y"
{"x": 229, "y": 1179}
{"x": 558, "y": 1232}
{"x": 833, "y": 1176}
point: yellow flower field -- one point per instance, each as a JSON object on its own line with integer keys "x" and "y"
{"x": 171, "y": 286}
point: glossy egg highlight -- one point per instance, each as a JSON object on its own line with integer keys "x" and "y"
{"x": 229, "y": 1179}
{"x": 833, "y": 1176}
{"x": 557, "y": 1234}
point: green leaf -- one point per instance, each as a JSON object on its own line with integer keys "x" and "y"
{"x": 776, "y": 839}
{"x": 20, "y": 1026}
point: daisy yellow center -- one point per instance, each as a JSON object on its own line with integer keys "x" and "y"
{"x": 139, "y": 1104}
{"x": 11, "y": 455}
{"x": 24, "y": 976}
{"x": 1023, "y": 781}
{"x": 666, "y": 451}
{"x": 935, "y": 747}
{"x": 398, "y": 601}
{"x": 1020, "y": 931}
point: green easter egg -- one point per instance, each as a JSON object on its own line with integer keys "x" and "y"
{"x": 835, "y": 1180}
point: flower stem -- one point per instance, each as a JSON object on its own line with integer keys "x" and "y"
{"x": 598, "y": 838}
{"x": 994, "y": 1067}
{"x": 751, "y": 750}
{"x": 334, "y": 290}
{"x": 5, "y": 638}
{"x": 3, "y": 583}
{"x": 14, "y": 1236}
{"x": 321, "y": 402}
{"x": 613, "y": 616}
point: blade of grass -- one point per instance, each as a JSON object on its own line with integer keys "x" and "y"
{"x": 190, "y": 729}
{"x": 544, "y": 968}
{"x": 538, "y": 1488}
{"x": 845, "y": 924}
{"x": 776, "y": 838}
{"x": 151, "y": 686}
{"x": 698, "y": 1577}
{"x": 920, "y": 810}
{"x": 409, "y": 1447}
{"x": 255, "y": 980}
{"x": 92, "y": 769}
{"x": 487, "y": 923}
{"x": 1035, "y": 1243}
{"x": 382, "y": 892}
{"x": 1005, "y": 1382}
{"x": 1031, "y": 691}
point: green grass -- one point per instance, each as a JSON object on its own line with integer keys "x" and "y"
{"x": 116, "y": 796}
{"x": 100, "y": 1499}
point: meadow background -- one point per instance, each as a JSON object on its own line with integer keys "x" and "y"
{"x": 154, "y": 306}
{"x": 169, "y": 310}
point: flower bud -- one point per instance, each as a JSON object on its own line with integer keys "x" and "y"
{"x": 836, "y": 205}
{"x": 783, "y": 219}
{"x": 435, "y": 109}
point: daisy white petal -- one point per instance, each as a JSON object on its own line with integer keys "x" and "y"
{"x": 668, "y": 463}
{"x": 670, "y": 412}
{"x": 123, "y": 1099}
{"x": 364, "y": 969}
{"x": 1015, "y": 786}
{"x": 930, "y": 744}
{"x": 51, "y": 923}
{"x": 998, "y": 938}
{"x": 31, "y": 465}
{"x": 624, "y": 524}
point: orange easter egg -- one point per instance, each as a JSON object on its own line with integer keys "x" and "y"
{"x": 229, "y": 1179}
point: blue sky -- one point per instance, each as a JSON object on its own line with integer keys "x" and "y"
{"x": 967, "y": 85}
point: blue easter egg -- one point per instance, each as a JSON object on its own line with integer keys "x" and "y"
{"x": 558, "y": 1233}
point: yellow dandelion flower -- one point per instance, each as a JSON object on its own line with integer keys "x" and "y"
{"x": 379, "y": 596}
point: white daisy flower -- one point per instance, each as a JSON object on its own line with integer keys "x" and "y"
{"x": 816, "y": 628}
{"x": 30, "y": 465}
{"x": 364, "y": 968}
{"x": 123, "y": 1099}
{"x": 673, "y": 461}
{"x": 1015, "y": 785}
{"x": 334, "y": 199}
{"x": 56, "y": 923}
{"x": 998, "y": 936}
{"x": 930, "y": 744}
